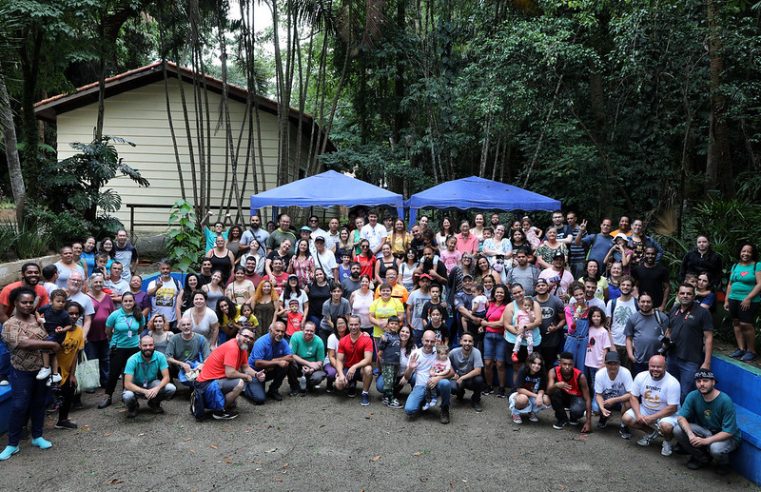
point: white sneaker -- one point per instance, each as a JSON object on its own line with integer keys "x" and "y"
{"x": 43, "y": 374}
{"x": 56, "y": 378}
{"x": 426, "y": 406}
{"x": 433, "y": 402}
{"x": 666, "y": 448}
{"x": 5, "y": 382}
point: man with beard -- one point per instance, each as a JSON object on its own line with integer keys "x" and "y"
{"x": 553, "y": 321}
{"x": 282, "y": 233}
{"x": 617, "y": 313}
{"x": 228, "y": 365}
{"x": 691, "y": 334}
{"x": 568, "y": 388}
{"x": 523, "y": 273}
{"x": 125, "y": 253}
{"x": 654, "y": 401}
{"x": 255, "y": 231}
{"x": 644, "y": 331}
{"x": 467, "y": 365}
{"x": 653, "y": 278}
{"x": 30, "y": 277}
{"x": 702, "y": 259}
{"x": 140, "y": 379}
{"x": 590, "y": 287}
{"x": 351, "y": 283}
{"x": 707, "y": 426}
{"x": 250, "y": 272}
{"x": 272, "y": 355}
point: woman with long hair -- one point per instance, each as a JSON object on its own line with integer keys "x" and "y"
{"x": 445, "y": 231}
{"x": 123, "y": 328}
{"x": 302, "y": 264}
{"x": 266, "y": 304}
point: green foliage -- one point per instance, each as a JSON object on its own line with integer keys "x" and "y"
{"x": 184, "y": 241}
{"x": 78, "y": 184}
{"x": 8, "y": 236}
{"x": 60, "y": 228}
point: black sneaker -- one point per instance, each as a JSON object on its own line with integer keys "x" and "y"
{"x": 156, "y": 409}
{"x": 220, "y": 415}
{"x": 602, "y": 423}
{"x": 274, "y": 395}
{"x": 559, "y": 424}
{"x": 501, "y": 393}
{"x": 351, "y": 392}
{"x": 293, "y": 392}
{"x": 487, "y": 390}
{"x": 460, "y": 395}
{"x": 65, "y": 424}
{"x": 694, "y": 464}
{"x": 132, "y": 413}
{"x": 476, "y": 406}
{"x": 444, "y": 417}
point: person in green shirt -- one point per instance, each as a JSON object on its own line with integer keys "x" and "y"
{"x": 707, "y": 427}
{"x": 306, "y": 371}
{"x": 146, "y": 375}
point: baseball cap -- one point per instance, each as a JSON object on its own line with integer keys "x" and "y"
{"x": 542, "y": 281}
{"x": 612, "y": 356}
{"x": 320, "y": 238}
{"x": 425, "y": 275}
{"x": 305, "y": 229}
{"x": 705, "y": 374}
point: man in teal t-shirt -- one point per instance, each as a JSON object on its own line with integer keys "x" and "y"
{"x": 707, "y": 425}
{"x": 308, "y": 357}
{"x": 146, "y": 375}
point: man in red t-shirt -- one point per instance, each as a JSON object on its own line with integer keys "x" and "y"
{"x": 568, "y": 388}
{"x": 30, "y": 277}
{"x": 228, "y": 365}
{"x": 354, "y": 361}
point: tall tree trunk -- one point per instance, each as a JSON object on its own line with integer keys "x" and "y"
{"x": 31, "y": 45}
{"x": 11, "y": 151}
{"x": 718, "y": 162}
{"x": 172, "y": 132}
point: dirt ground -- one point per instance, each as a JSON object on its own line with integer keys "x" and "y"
{"x": 329, "y": 442}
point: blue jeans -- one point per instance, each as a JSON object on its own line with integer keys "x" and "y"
{"x": 255, "y": 388}
{"x": 415, "y": 401}
{"x": 495, "y": 346}
{"x": 28, "y": 401}
{"x": 100, "y": 351}
{"x": 684, "y": 371}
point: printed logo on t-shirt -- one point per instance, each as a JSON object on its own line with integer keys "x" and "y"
{"x": 165, "y": 296}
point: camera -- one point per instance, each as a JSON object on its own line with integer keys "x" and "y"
{"x": 666, "y": 345}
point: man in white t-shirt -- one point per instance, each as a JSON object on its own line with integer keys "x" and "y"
{"x": 613, "y": 386}
{"x": 325, "y": 259}
{"x": 654, "y": 402}
{"x": 374, "y": 232}
{"x": 420, "y": 364}
{"x": 617, "y": 313}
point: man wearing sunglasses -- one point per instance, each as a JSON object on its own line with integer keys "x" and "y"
{"x": 228, "y": 365}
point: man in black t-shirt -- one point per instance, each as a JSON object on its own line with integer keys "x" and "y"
{"x": 553, "y": 321}
{"x": 653, "y": 278}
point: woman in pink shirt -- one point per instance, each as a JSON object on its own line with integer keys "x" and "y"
{"x": 466, "y": 242}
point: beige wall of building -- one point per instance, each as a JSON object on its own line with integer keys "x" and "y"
{"x": 139, "y": 115}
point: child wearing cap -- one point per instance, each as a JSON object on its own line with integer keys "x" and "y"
{"x": 295, "y": 318}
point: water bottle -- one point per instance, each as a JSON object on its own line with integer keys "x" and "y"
{"x": 303, "y": 383}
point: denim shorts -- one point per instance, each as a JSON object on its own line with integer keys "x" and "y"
{"x": 495, "y": 346}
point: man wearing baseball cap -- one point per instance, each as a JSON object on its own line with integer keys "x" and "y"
{"x": 707, "y": 427}
{"x": 613, "y": 386}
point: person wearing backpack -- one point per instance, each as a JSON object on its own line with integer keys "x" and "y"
{"x": 644, "y": 333}
{"x": 618, "y": 311}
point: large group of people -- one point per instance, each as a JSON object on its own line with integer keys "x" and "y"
{"x": 564, "y": 318}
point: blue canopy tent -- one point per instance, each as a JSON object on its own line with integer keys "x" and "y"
{"x": 325, "y": 190}
{"x": 479, "y": 193}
